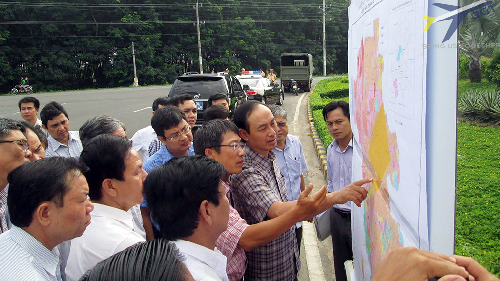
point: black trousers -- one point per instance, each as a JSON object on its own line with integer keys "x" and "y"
{"x": 341, "y": 241}
{"x": 298, "y": 234}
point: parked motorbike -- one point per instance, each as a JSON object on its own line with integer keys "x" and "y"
{"x": 295, "y": 88}
{"x": 21, "y": 89}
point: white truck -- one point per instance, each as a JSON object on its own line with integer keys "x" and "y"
{"x": 299, "y": 67}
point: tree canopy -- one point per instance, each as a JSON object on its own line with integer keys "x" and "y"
{"x": 66, "y": 45}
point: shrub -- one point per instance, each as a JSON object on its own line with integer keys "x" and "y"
{"x": 463, "y": 67}
{"x": 485, "y": 64}
{"x": 493, "y": 69}
{"x": 480, "y": 106}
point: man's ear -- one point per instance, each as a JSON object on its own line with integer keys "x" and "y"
{"x": 209, "y": 153}
{"x": 109, "y": 187}
{"x": 44, "y": 127}
{"x": 42, "y": 213}
{"x": 244, "y": 134}
{"x": 205, "y": 212}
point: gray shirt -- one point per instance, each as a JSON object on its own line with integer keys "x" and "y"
{"x": 339, "y": 170}
{"x": 73, "y": 149}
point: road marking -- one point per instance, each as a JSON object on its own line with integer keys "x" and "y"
{"x": 16, "y": 113}
{"x": 149, "y": 107}
{"x": 297, "y": 110}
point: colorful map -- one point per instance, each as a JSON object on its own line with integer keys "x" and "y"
{"x": 388, "y": 125}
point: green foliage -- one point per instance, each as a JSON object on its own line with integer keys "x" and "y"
{"x": 481, "y": 106}
{"x": 463, "y": 67}
{"x": 493, "y": 69}
{"x": 322, "y": 95}
{"x": 465, "y": 86}
{"x": 478, "y": 195}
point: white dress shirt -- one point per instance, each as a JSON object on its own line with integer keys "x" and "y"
{"x": 141, "y": 140}
{"x": 25, "y": 258}
{"x": 73, "y": 149}
{"x": 203, "y": 264}
{"x": 111, "y": 231}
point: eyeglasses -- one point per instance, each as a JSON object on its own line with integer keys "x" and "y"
{"x": 235, "y": 146}
{"x": 175, "y": 137}
{"x": 22, "y": 143}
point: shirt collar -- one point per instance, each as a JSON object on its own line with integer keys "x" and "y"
{"x": 335, "y": 145}
{"x": 251, "y": 154}
{"x": 214, "y": 259}
{"x": 169, "y": 155}
{"x": 55, "y": 143}
{"x": 101, "y": 210}
{"x": 49, "y": 260}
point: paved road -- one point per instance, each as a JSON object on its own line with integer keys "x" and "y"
{"x": 133, "y": 107}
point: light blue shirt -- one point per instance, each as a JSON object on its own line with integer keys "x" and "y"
{"x": 292, "y": 164}
{"x": 73, "y": 149}
{"x": 161, "y": 157}
{"x": 339, "y": 164}
{"x": 25, "y": 258}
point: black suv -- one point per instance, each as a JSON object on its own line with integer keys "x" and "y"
{"x": 202, "y": 86}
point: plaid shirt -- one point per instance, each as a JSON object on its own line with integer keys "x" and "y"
{"x": 254, "y": 190}
{"x": 4, "y": 215}
{"x": 227, "y": 243}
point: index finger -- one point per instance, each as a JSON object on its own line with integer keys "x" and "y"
{"x": 362, "y": 182}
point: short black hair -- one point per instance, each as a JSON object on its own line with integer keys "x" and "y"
{"x": 50, "y": 111}
{"x": 99, "y": 125}
{"x": 217, "y": 96}
{"x": 7, "y": 125}
{"x": 35, "y": 102}
{"x": 163, "y": 101}
{"x": 105, "y": 157}
{"x": 334, "y": 105}
{"x": 38, "y": 132}
{"x": 214, "y": 112}
{"x": 154, "y": 260}
{"x": 176, "y": 189}
{"x": 210, "y": 135}
{"x": 166, "y": 118}
{"x": 33, "y": 183}
{"x": 243, "y": 112}
{"x": 180, "y": 99}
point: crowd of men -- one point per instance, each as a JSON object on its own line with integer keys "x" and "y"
{"x": 224, "y": 203}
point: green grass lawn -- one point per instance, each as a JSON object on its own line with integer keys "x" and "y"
{"x": 465, "y": 86}
{"x": 478, "y": 178}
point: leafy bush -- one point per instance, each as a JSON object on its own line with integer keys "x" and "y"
{"x": 482, "y": 106}
{"x": 485, "y": 64}
{"x": 463, "y": 67}
{"x": 464, "y": 86}
{"x": 493, "y": 69}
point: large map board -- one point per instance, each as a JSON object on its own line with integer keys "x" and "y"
{"x": 387, "y": 78}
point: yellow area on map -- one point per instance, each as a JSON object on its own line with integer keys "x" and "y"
{"x": 379, "y": 149}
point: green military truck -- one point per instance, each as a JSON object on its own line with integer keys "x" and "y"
{"x": 299, "y": 67}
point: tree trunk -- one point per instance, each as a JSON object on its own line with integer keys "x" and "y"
{"x": 475, "y": 71}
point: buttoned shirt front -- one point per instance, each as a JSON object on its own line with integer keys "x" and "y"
{"x": 339, "y": 170}
{"x": 73, "y": 149}
{"x": 111, "y": 231}
{"x": 292, "y": 165}
{"x": 228, "y": 241}
{"x": 255, "y": 189}
{"x": 203, "y": 263}
{"x": 25, "y": 258}
{"x": 141, "y": 140}
{"x": 4, "y": 212}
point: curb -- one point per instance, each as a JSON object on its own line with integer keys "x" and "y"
{"x": 318, "y": 144}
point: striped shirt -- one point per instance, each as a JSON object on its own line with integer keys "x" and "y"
{"x": 254, "y": 190}
{"x": 73, "y": 149}
{"x": 25, "y": 258}
{"x": 339, "y": 170}
{"x": 4, "y": 212}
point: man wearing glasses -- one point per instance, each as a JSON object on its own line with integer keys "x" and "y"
{"x": 173, "y": 131}
{"x": 15, "y": 152}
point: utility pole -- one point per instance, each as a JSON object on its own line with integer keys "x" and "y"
{"x": 136, "y": 81}
{"x": 199, "y": 40}
{"x": 324, "y": 38}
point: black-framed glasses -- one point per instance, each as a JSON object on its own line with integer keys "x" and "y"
{"x": 22, "y": 143}
{"x": 235, "y": 146}
{"x": 175, "y": 137}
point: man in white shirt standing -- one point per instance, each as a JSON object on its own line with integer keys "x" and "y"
{"x": 115, "y": 178}
{"x": 48, "y": 205}
{"x": 61, "y": 141}
{"x": 29, "y": 107}
{"x": 143, "y": 137}
{"x": 191, "y": 209}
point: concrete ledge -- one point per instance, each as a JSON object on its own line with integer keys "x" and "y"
{"x": 318, "y": 144}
